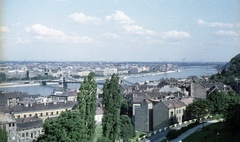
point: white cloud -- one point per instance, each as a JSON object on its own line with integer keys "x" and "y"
{"x": 84, "y": 19}
{"x": 175, "y": 35}
{"x": 226, "y": 33}
{"x": 238, "y": 25}
{"x": 110, "y": 35}
{"x": 120, "y": 17}
{"x": 43, "y": 30}
{"x": 214, "y": 24}
{"x": 4, "y": 29}
{"x": 135, "y": 29}
{"x": 46, "y": 34}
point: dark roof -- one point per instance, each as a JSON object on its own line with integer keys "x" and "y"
{"x": 19, "y": 95}
{"x": 140, "y": 96}
{"x": 4, "y": 96}
{"x": 175, "y": 103}
{"x": 35, "y": 107}
{"x": 28, "y": 123}
{"x": 5, "y": 109}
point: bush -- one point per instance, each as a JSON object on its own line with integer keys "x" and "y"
{"x": 172, "y": 134}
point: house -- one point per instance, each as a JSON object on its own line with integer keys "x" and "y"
{"x": 11, "y": 98}
{"x": 99, "y": 115}
{"x": 143, "y": 116}
{"x": 28, "y": 129}
{"x": 168, "y": 112}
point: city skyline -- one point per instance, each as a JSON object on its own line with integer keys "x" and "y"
{"x": 148, "y": 31}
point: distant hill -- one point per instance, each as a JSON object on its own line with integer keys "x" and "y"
{"x": 230, "y": 71}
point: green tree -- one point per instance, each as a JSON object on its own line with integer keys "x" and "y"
{"x": 199, "y": 109}
{"x": 112, "y": 101}
{"x": 219, "y": 101}
{"x": 3, "y": 135}
{"x": 103, "y": 139}
{"x": 65, "y": 128}
{"x": 87, "y": 104}
{"x": 232, "y": 123}
{"x": 127, "y": 129}
{"x": 75, "y": 126}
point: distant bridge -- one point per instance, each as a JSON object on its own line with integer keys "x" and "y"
{"x": 63, "y": 82}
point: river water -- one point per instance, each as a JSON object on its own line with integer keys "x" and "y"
{"x": 184, "y": 72}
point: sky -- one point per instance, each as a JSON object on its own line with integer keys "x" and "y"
{"x": 119, "y": 30}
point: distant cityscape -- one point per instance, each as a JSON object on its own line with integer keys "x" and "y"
{"x": 25, "y": 113}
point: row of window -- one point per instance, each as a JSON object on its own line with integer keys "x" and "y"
{"x": 11, "y": 124}
{"x": 31, "y": 134}
{"x": 40, "y": 114}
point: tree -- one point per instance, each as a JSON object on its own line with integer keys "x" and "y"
{"x": 124, "y": 108}
{"x": 127, "y": 129}
{"x": 3, "y": 135}
{"x": 75, "y": 126}
{"x": 112, "y": 101}
{"x": 87, "y": 104}
{"x": 232, "y": 122}
{"x": 65, "y": 128}
{"x": 199, "y": 109}
{"x": 219, "y": 101}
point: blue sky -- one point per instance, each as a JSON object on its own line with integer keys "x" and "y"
{"x": 120, "y": 30}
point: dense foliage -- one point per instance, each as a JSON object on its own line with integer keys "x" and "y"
{"x": 75, "y": 126}
{"x": 232, "y": 122}
{"x": 87, "y": 104}
{"x": 219, "y": 101}
{"x": 127, "y": 129}
{"x": 229, "y": 72}
{"x": 3, "y": 135}
{"x": 66, "y": 128}
{"x": 199, "y": 109}
{"x": 112, "y": 101}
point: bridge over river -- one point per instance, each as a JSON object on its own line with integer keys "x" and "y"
{"x": 64, "y": 81}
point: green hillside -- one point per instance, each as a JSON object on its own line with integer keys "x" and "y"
{"x": 230, "y": 71}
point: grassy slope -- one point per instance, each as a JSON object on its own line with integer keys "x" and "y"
{"x": 212, "y": 133}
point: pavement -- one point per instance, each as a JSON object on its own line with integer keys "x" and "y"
{"x": 161, "y": 136}
{"x": 190, "y": 131}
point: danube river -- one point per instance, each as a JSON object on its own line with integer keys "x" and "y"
{"x": 182, "y": 73}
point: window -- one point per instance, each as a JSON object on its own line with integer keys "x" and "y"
{"x": 57, "y": 113}
{"x": 27, "y": 134}
{"x": 46, "y": 113}
{"x": 24, "y": 116}
{"x": 41, "y": 114}
{"x": 36, "y": 115}
{"x": 23, "y": 135}
{"x": 10, "y": 124}
{"x": 179, "y": 110}
{"x": 18, "y": 116}
{"x": 31, "y": 135}
{"x": 13, "y": 124}
{"x": 171, "y": 113}
{"x": 51, "y": 113}
{"x": 30, "y": 115}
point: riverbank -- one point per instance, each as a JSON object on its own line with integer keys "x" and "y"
{"x": 147, "y": 74}
{"x": 16, "y": 84}
{"x": 22, "y": 84}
